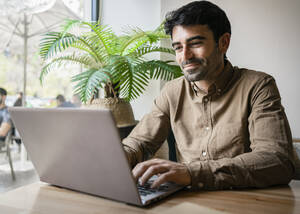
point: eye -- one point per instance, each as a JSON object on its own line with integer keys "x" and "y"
{"x": 177, "y": 47}
{"x": 196, "y": 44}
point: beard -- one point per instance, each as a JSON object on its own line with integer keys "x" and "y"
{"x": 204, "y": 68}
{"x": 195, "y": 74}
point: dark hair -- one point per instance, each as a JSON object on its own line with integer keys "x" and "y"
{"x": 3, "y": 92}
{"x": 199, "y": 13}
{"x": 61, "y": 98}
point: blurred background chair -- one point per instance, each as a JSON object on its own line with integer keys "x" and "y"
{"x": 5, "y": 148}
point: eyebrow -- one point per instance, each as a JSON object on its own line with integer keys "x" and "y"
{"x": 196, "y": 37}
{"x": 190, "y": 39}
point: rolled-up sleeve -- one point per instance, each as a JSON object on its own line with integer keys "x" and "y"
{"x": 6, "y": 117}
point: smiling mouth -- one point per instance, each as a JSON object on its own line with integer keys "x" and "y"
{"x": 193, "y": 63}
{"x": 191, "y": 66}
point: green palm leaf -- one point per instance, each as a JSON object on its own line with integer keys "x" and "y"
{"x": 54, "y": 42}
{"x": 63, "y": 61}
{"x": 69, "y": 24}
{"x": 102, "y": 35}
{"x": 136, "y": 37}
{"x": 89, "y": 81}
{"x": 141, "y": 51}
{"x": 161, "y": 69}
{"x": 130, "y": 81}
{"x": 117, "y": 60}
{"x": 84, "y": 45}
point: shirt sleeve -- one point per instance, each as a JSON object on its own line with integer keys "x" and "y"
{"x": 150, "y": 133}
{"x": 6, "y": 117}
{"x": 270, "y": 160}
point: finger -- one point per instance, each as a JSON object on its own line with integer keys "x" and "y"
{"x": 138, "y": 171}
{"x": 163, "y": 178}
{"x": 140, "y": 168}
{"x": 153, "y": 170}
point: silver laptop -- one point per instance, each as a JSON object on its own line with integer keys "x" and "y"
{"x": 80, "y": 149}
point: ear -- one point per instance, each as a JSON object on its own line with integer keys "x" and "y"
{"x": 224, "y": 42}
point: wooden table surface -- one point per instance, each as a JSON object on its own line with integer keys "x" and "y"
{"x": 41, "y": 198}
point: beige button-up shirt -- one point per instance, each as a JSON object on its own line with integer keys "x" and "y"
{"x": 236, "y": 135}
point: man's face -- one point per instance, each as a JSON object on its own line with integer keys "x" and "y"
{"x": 197, "y": 52}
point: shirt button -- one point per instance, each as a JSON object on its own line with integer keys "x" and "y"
{"x": 219, "y": 90}
{"x": 204, "y": 153}
{"x": 207, "y": 128}
{"x": 205, "y": 100}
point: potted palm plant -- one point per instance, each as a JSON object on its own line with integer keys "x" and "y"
{"x": 114, "y": 63}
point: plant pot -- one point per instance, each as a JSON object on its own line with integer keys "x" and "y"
{"x": 121, "y": 110}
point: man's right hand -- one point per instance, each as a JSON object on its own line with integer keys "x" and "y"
{"x": 167, "y": 171}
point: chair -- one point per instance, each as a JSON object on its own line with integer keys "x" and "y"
{"x": 15, "y": 137}
{"x": 6, "y": 145}
{"x": 168, "y": 149}
{"x": 125, "y": 131}
{"x": 172, "y": 149}
{"x": 296, "y": 146}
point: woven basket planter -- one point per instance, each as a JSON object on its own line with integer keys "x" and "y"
{"x": 121, "y": 110}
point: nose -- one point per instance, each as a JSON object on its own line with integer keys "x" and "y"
{"x": 187, "y": 53}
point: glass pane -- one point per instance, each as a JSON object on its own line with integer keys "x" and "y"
{"x": 20, "y": 33}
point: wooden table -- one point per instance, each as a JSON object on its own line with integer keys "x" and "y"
{"x": 41, "y": 198}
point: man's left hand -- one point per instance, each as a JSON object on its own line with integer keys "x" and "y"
{"x": 164, "y": 169}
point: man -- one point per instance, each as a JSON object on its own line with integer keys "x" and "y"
{"x": 5, "y": 120}
{"x": 19, "y": 100}
{"x": 76, "y": 100}
{"x": 61, "y": 102}
{"x": 230, "y": 128}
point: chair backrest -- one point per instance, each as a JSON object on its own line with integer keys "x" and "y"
{"x": 297, "y": 160}
{"x": 125, "y": 131}
{"x": 172, "y": 148}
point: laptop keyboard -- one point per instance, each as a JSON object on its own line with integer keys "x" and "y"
{"x": 147, "y": 190}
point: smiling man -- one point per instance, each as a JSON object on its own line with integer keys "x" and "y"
{"x": 230, "y": 128}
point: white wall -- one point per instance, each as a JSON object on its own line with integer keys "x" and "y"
{"x": 265, "y": 37}
{"x": 144, "y": 14}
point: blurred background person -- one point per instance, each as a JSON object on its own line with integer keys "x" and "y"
{"x": 61, "y": 102}
{"x": 76, "y": 100}
{"x": 19, "y": 100}
{"x": 5, "y": 120}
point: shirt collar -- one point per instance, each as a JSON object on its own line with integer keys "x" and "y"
{"x": 224, "y": 78}
{"x": 219, "y": 85}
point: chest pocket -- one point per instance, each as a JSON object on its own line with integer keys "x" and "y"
{"x": 231, "y": 139}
